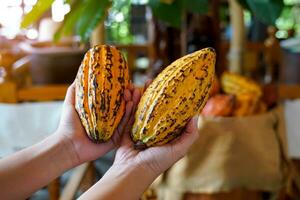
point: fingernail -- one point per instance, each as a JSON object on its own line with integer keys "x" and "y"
{"x": 195, "y": 120}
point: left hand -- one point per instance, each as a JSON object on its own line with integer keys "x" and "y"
{"x": 155, "y": 160}
{"x": 73, "y": 134}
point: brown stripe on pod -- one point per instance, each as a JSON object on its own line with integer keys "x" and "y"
{"x": 159, "y": 124}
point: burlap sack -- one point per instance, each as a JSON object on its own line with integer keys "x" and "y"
{"x": 245, "y": 152}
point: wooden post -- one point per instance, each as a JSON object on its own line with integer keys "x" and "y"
{"x": 215, "y": 14}
{"x": 53, "y": 189}
{"x": 70, "y": 189}
{"x": 89, "y": 178}
{"x": 183, "y": 35}
{"x": 98, "y": 35}
{"x": 272, "y": 56}
{"x": 152, "y": 54}
{"x": 237, "y": 42}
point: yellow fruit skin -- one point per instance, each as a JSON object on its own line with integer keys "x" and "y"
{"x": 177, "y": 94}
{"x": 246, "y": 105}
{"x": 237, "y": 85}
{"x": 100, "y": 83}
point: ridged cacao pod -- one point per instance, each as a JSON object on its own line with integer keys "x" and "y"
{"x": 100, "y": 83}
{"x": 237, "y": 85}
{"x": 215, "y": 88}
{"x": 178, "y": 93}
{"x": 246, "y": 105}
{"x": 220, "y": 105}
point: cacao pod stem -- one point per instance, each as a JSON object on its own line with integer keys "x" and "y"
{"x": 139, "y": 145}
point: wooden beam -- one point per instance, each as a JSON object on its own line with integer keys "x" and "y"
{"x": 43, "y": 93}
{"x": 289, "y": 91}
{"x": 8, "y": 92}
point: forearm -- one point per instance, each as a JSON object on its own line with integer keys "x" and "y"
{"x": 121, "y": 182}
{"x": 30, "y": 169}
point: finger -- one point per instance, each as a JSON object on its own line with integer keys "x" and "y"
{"x": 122, "y": 125}
{"x": 136, "y": 96}
{"x": 127, "y": 95}
{"x": 126, "y": 117}
{"x": 70, "y": 95}
{"x": 188, "y": 137}
{"x": 126, "y": 139}
{"x": 131, "y": 87}
{"x": 192, "y": 125}
{"x": 148, "y": 82}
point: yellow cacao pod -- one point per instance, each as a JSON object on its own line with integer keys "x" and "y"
{"x": 178, "y": 93}
{"x": 245, "y": 105}
{"x": 237, "y": 85}
{"x": 100, "y": 83}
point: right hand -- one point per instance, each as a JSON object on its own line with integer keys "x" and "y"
{"x": 155, "y": 160}
{"x": 135, "y": 170}
{"x": 73, "y": 136}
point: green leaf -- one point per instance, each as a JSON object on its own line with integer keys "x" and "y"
{"x": 167, "y": 1}
{"x": 93, "y": 12}
{"x": 266, "y": 10}
{"x": 170, "y": 13}
{"x": 244, "y": 4}
{"x": 37, "y": 11}
{"x": 196, "y": 6}
{"x": 70, "y": 20}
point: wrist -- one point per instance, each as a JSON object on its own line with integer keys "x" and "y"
{"x": 134, "y": 171}
{"x": 68, "y": 149}
{"x": 118, "y": 181}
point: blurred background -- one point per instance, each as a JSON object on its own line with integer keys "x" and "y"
{"x": 42, "y": 43}
{"x": 151, "y": 33}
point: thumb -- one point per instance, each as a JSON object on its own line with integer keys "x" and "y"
{"x": 188, "y": 137}
{"x": 192, "y": 126}
{"x": 70, "y": 95}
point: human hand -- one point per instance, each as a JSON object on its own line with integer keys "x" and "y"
{"x": 156, "y": 160}
{"x": 135, "y": 170}
{"x": 72, "y": 132}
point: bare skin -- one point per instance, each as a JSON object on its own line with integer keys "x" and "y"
{"x": 133, "y": 171}
{"x": 26, "y": 171}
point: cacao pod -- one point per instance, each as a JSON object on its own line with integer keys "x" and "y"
{"x": 178, "y": 93}
{"x": 237, "y": 84}
{"x": 261, "y": 108}
{"x": 245, "y": 105}
{"x": 100, "y": 83}
{"x": 215, "y": 88}
{"x": 220, "y": 105}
